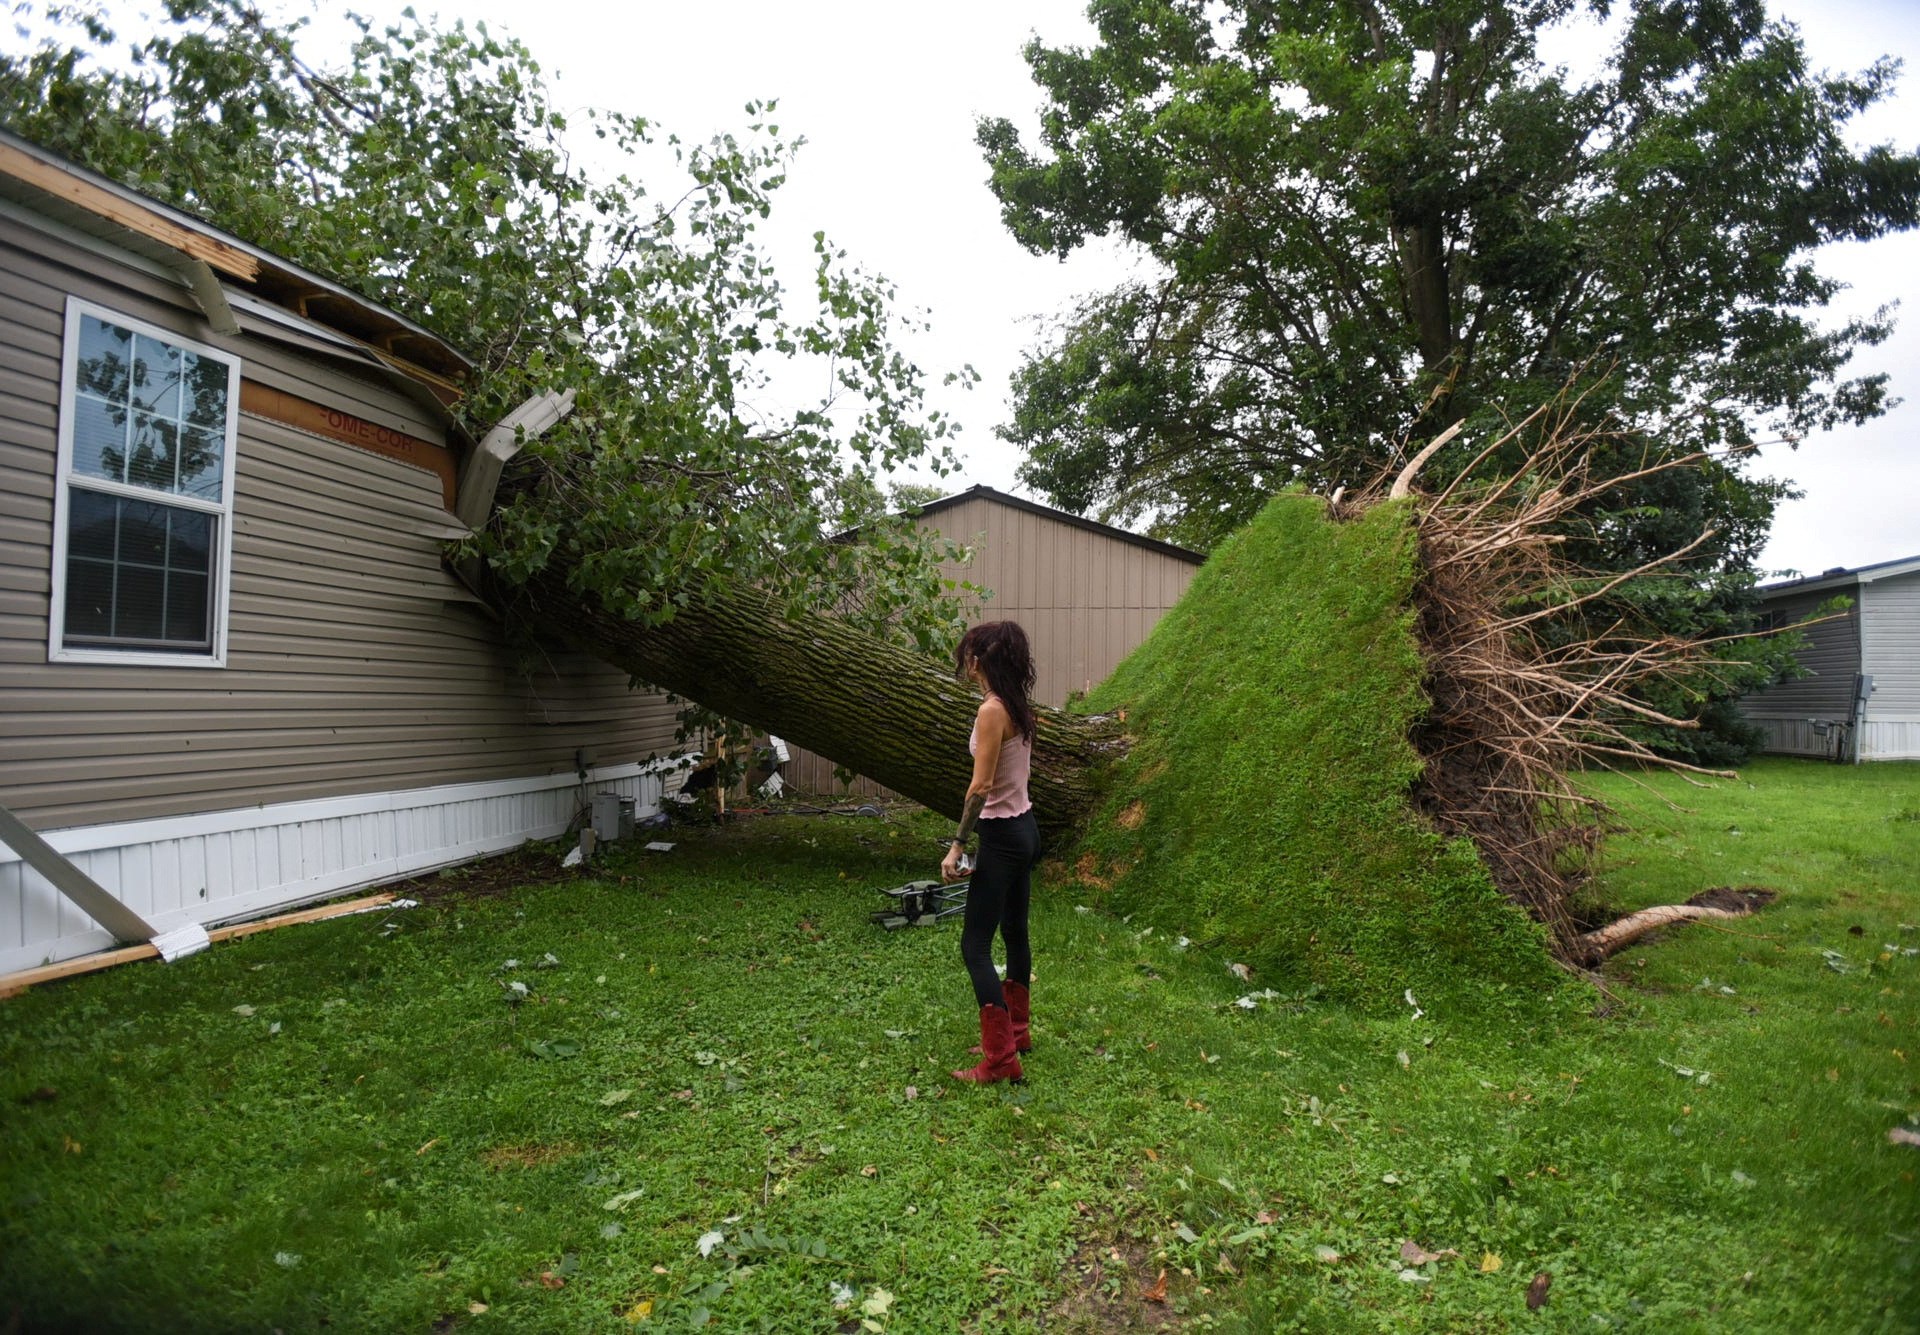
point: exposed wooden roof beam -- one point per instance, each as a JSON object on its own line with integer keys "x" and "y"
{"x": 64, "y": 184}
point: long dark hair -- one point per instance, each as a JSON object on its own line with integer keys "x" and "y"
{"x": 1006, "y": 661}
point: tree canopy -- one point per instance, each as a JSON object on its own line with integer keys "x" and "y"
{"x": 1374, "y": 218}
{"x": 431, "y": 171}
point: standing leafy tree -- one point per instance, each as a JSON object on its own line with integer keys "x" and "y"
{"x": 1373, "y": 219}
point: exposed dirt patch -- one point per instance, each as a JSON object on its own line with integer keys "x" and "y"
{"x": 527, "y": 1156}
{"x": 504, "y": 873}
{"x": 1734, "y": 899}
{"x": 1088, "y": 869}
{"x": 1133, "y": 816}
{"x": 1108, "y": 1280}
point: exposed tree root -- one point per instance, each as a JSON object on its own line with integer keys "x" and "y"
{"x": 1527, "y": 686}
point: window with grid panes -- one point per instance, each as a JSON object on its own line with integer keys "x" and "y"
{"x": 143, "y": 515}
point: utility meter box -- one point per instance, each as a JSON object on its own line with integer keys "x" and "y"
{"x": 612, "y": 817}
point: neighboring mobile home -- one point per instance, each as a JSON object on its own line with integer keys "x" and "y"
{"x": 1087, "y": 593}
{"x": 1862, "y": 701}
{"x": 235, "y": 670}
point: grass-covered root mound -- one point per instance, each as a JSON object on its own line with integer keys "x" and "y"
{"x": 1264, "y": 804}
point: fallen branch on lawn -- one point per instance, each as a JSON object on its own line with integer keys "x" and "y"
{"x": 1596, "y": 947}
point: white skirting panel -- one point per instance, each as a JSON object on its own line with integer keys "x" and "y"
{"x": 1890, "y": 739}
{"x": 226, "y": 865}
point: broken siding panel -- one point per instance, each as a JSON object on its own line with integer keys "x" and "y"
{"x": 39, "y": 271}
{"x": 294, "y": 470}
{"x": 1890, "y": 639}
{"x": 319, "y": 382}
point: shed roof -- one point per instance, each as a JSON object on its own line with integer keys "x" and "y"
{"x": 102, "y": 207}
{"x": 1841, "y": 578}
{"x": 1063, "y": 516}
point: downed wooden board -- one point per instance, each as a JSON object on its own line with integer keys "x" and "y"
{"x": 14, "y": 983}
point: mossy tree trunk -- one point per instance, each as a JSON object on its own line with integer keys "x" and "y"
{"x": 897, "y": 717}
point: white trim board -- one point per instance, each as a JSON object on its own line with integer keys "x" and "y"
{"x": 222, "y": 866}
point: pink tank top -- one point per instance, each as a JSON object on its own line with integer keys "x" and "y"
{"x": 1008, "y": 796}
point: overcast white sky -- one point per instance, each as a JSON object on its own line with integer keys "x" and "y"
{"x": 886, "y": 94}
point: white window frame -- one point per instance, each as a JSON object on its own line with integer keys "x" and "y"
{"x": 58, "y": 651}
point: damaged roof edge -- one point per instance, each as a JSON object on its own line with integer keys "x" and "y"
{"x": 434, "y": 362}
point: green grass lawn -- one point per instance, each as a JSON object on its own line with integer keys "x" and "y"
{"x": 357, "y": 1125}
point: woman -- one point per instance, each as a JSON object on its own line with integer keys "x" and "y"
{"x": 995, "y": 656}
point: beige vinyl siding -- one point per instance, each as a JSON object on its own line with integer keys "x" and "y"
{"x": 1086, "y": 600}
{"x": 1890, "y": 636}
{"x": 356, "y": 663}
{"x": 1832, "y": 655}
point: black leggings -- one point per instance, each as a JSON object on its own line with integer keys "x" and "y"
{"x": 997, "y": 898}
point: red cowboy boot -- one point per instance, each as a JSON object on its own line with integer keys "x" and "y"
{"x": 998, "y": 1060}
{"x": 1019, "y": 1006}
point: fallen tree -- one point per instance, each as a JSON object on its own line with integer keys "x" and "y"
{"x": 1349, "y": 753}
{"x": 859, "y": 699}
